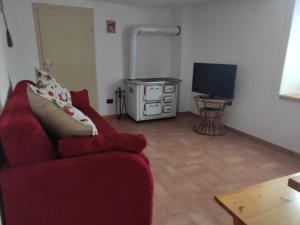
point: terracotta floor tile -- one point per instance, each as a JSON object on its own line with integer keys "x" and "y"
{"x": 189, "y": 168}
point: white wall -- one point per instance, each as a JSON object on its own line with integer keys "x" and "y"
{"x": 154, "y": 56}
{"x": 4, "y": 80}
{"x": 253, "y": 35}
{"x": 291, "y": 79}
{"x": 187, "y": 16}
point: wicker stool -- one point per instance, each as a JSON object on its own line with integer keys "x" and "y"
{"x": 210, "y": 115}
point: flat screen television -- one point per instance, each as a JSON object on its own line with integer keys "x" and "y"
{"x": 215, "y": 80}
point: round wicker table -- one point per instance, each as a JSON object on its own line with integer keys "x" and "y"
{"x": 210, "y": 115}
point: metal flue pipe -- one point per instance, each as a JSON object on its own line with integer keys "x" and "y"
{"x": 170, "y": 30}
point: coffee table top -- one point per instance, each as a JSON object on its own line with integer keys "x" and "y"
{"x": 269, "y": 203}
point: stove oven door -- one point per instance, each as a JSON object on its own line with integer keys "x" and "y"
{"x": 151, "y": 109}
{"x": 153, "y": 92}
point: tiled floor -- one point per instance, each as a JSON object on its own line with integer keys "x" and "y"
{"x": 189, "y": 168}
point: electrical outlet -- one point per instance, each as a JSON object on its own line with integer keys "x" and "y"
{"x": 110, "y": 101}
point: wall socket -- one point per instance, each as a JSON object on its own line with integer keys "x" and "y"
{"x": 110, "y": 101}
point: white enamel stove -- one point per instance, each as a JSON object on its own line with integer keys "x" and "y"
{"x": 152, "y": 98}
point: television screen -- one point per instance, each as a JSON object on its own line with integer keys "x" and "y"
{"x": 215, "y": 80}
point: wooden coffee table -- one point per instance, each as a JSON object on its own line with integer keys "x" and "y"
{"x": 269, "y": 203}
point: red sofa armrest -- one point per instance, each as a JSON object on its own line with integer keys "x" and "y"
{"x": 110, "y": 188}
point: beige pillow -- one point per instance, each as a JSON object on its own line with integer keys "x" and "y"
{"x": 55, "y": 118}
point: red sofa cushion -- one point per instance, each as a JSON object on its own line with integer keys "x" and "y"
{"x": 21, "y": 87}
{"x": 74, "y": 146}
{"x": 113, "y": 188}
{"x": 102, "y": 125}
{"x": 22, "y": 137}
{"x": 80, "y": 99}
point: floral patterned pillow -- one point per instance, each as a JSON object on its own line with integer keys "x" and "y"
{"x": 46, "y": 82}
{"x": 67, "y": 108}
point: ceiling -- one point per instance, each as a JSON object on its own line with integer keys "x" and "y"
{"x": 160, "y": 3}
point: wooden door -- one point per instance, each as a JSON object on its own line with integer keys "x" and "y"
{"x": 66, "y": 46}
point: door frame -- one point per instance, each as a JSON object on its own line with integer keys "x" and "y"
{"x": 35, "y": 7}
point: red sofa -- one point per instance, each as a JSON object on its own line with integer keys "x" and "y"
{"x": 40, "y": 188}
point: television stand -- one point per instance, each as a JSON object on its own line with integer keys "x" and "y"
{"x": 210, "y": 115}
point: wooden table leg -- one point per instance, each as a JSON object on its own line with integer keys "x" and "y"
{"x": 237, "y": 221}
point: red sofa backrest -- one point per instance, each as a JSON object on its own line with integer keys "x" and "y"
{"x": 23, "y": 139}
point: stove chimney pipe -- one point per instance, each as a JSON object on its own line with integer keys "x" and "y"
{"x": 171, "y": 30}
